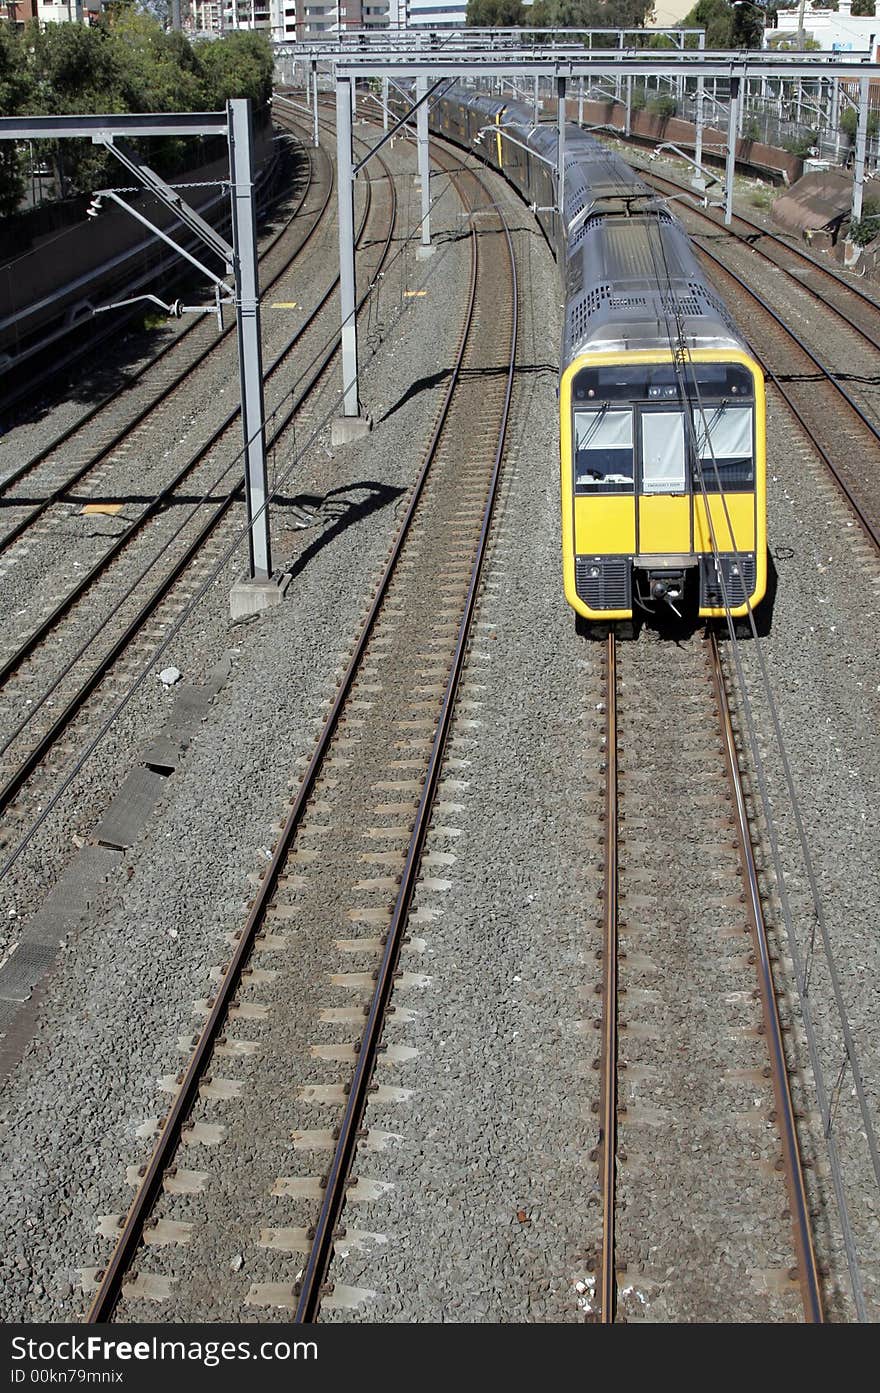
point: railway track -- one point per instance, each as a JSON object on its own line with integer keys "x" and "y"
{"x": 342, "y": 871}
{"x": 705, "y": 1206}
{"x": 112, "y": 422}
{"x": 94, "y": 435}
{"x": 58, "y": 693}
{"x": 840, "y": 294}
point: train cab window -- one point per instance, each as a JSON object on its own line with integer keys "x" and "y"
{"x": 603, "y": 451}
{"x": 663, "y": 458}
{"x": 724, "y": 443}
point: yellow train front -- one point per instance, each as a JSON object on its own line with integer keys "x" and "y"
{"x": 662, "y": 410}
{"x": 662, "y": 426}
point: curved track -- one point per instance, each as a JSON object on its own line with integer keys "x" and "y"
{"x": 31, "y": 740}
{"x": 49, "y": 480}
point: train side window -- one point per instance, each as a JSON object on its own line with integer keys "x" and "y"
{"x": 603, "y": 451}
{"x": 724, "y": 441}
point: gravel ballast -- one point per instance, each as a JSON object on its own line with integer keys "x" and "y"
{"x": 494, "y": 1213}
{"x": 123, "y": 994}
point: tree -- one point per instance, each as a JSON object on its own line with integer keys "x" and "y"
{"x": 158, "y": 71}
{"x": 495, "y": 14}
{"x": 240, "y": 65}
{"x": 747, "y": 26}
{"x": 126, "y": 62}
{"x": 562, "y": 14}
{"x": 716, "y": 17}
{"x": 16, "y": 91}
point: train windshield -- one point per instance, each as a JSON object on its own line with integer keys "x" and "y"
{"x": 657, "y": 444}
{"x": 603, "y": 451}
{"x": 724, "y": 446}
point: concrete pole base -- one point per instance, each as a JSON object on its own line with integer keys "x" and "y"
{"x": 250, "y": 596}
{"x": 422, "y": 253}
{"x": 345, "y": 429}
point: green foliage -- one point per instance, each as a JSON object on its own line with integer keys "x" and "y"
{"x": 849, "y": 120}
{"x": 662, "y": 105}
{"x": 639, "y": 99}
{"x": 801, "y": 145}
{"x": 727, "y": 25}
{"x": 561, "y": 14}
{"x": 751, "y": 128}
{"x": 716, "y": 17}
{"x": 16, "y": 92}
{"x": 127, "y": 62}
{"x": 864, "y": 229}
{"x": 238, "y": 66}
{"x": 495, "y": 14}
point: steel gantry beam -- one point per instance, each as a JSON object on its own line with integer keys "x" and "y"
{"x": 693, "y": 63}
{"x": 241, "y": 258}
{"x": 459, "y": 58}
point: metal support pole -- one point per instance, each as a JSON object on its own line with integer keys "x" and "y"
{"x": 731, "y": 150}
{"x": 424, "y": 162}
{"x": 698, "y": 127}
{"x": 861, "y": 143}
{"x": 345, "y": 197}
{"x": 537, "y": 110}
{"x": 617, "y": 87}
{"x": 835, "y": 116}
{"x": 175, "y": 13}
{"x": 315, "y": 103}
{"x": 385, "y": 103}
{"x": 247, "y": 310}
{"x": 627, "y": 129}
{"x": 354, "y": 98}
{"x": 560, "y": 147}
{"x": 580, "y": 101}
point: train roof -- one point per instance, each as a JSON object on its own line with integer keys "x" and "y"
{"x": 633, "y": 282}
{"x": 632, "y": 279}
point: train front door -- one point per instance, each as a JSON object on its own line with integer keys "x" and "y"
{"x": 663, "y": 484}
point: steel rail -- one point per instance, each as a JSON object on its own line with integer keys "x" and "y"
{"x": 164, "y": 496}
{"x": 172, "y": 1125}
{"x": 19, "y": 776}
{"x": 770, "y": 236}
{"x": 870, "y": 528}
{"x": 83, "y": 350}
{"x": 310, "y": 1286}
{"x": 807, "y": 1264}
{"x": 58, "y": 493}
{"x": 608, "y": 1139}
